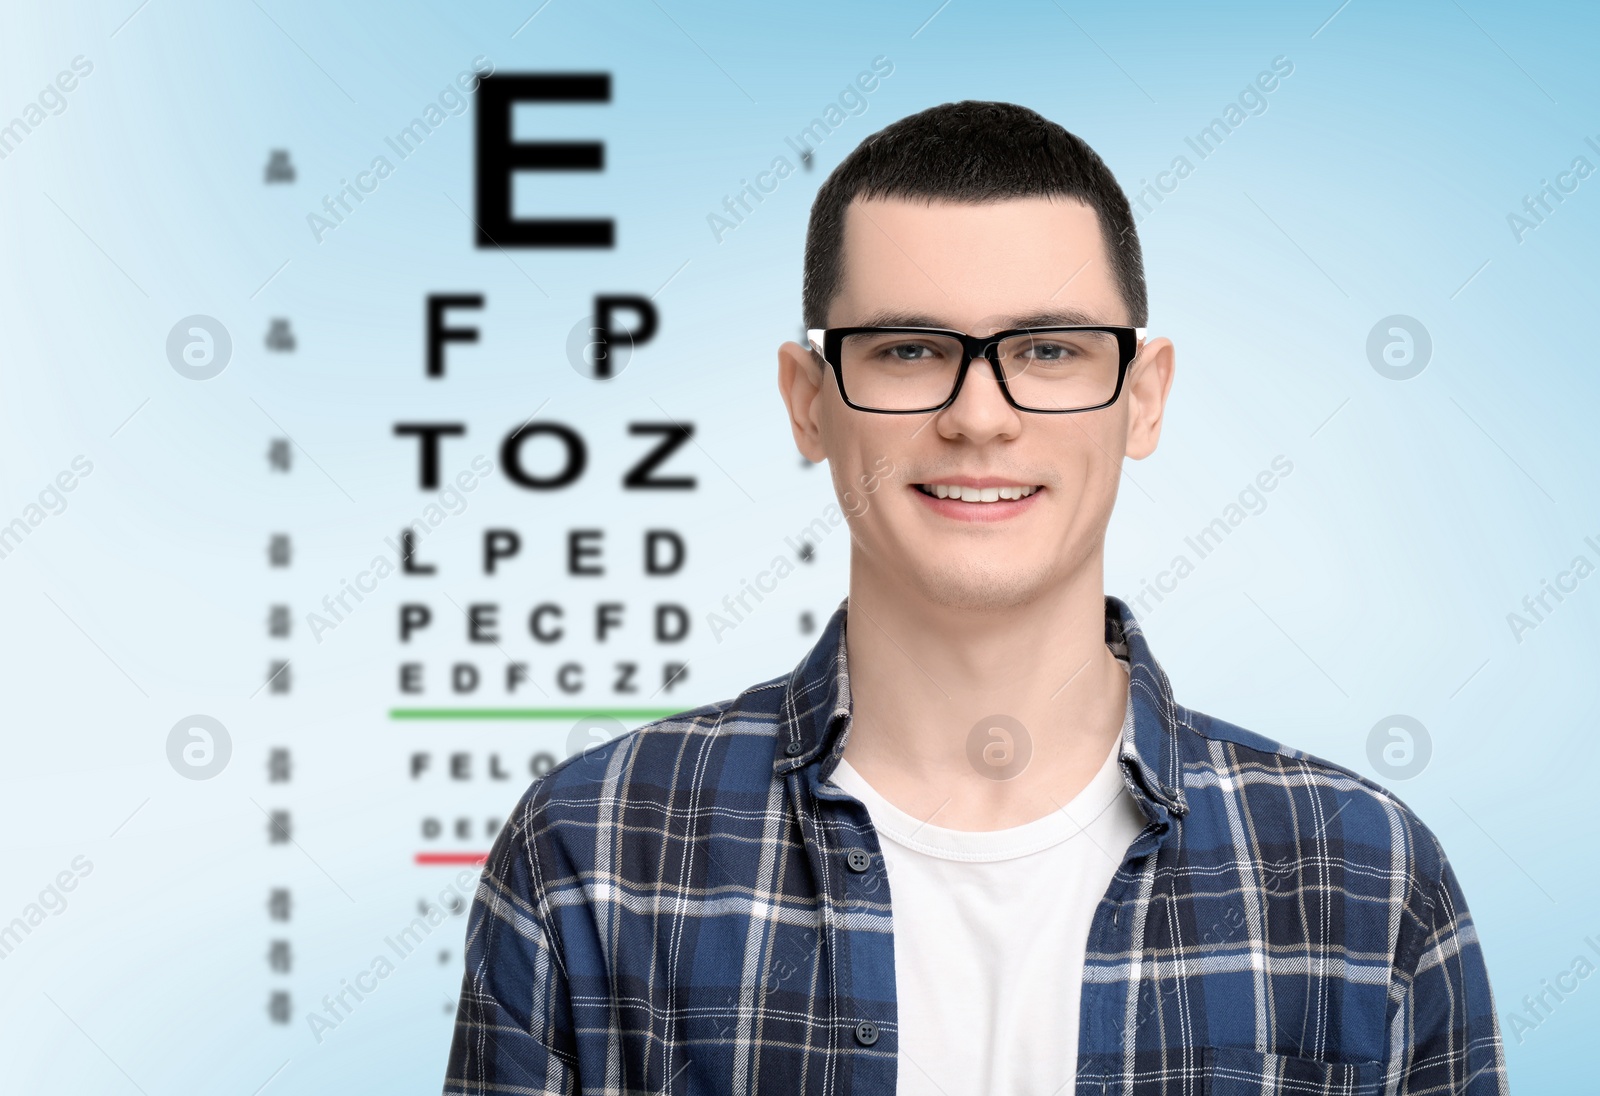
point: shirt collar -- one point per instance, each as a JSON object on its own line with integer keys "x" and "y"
{"x": 815, "y": 715}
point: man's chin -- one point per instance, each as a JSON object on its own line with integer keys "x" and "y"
{"x": 978, "y": 588}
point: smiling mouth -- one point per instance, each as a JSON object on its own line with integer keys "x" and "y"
{"x": 976, "y": 494}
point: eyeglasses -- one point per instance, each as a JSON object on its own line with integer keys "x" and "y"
{"x": 915, "y": 370}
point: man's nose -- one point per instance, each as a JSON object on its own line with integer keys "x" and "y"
{"x": 980, "y": 409}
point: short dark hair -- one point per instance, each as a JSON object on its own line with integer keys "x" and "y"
{"x": 971, "y": 151}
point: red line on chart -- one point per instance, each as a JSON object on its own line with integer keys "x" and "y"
{"x": 451, "y": 857}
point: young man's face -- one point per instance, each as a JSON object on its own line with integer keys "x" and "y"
{"x": 977, "y": 268}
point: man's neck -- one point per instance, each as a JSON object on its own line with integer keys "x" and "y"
{"x": 925, "y": 680}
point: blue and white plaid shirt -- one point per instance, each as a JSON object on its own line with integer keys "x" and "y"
{"x": 691, "y": 909}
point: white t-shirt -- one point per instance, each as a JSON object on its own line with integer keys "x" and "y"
{"x": 989, "y": 933}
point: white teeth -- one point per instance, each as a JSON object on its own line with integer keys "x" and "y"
{"x": 976, "y": 494}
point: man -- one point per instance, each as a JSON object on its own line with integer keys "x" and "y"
{"x": 971, "y": 843}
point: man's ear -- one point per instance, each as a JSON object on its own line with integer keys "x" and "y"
{"x": 801, "y": 382}
{"x": 1149, "y": 381}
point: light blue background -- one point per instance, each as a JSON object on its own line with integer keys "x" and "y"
{"x": 1377, "y": 579}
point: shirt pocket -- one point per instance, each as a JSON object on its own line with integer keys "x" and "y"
{"x": 1233, "y": 1071}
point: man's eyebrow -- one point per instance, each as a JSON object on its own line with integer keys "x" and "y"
{"x": 1055, "y": 317}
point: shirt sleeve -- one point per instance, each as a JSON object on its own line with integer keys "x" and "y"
{"x": 514, "y": 1026}
{"x": 1446, "y": 1021}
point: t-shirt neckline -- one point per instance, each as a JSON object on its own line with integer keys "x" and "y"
{"x": 1063, "y": 824}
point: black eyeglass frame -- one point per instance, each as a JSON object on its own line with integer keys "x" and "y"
{"x": 828, "y": 341}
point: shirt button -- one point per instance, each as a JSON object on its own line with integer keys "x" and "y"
{"x": 866, "y": 1033}
{"x": 793, "y": 748}
{"x": 859, "y": 860}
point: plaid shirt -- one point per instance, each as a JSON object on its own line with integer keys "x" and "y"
{"x": 691, "y": 909}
